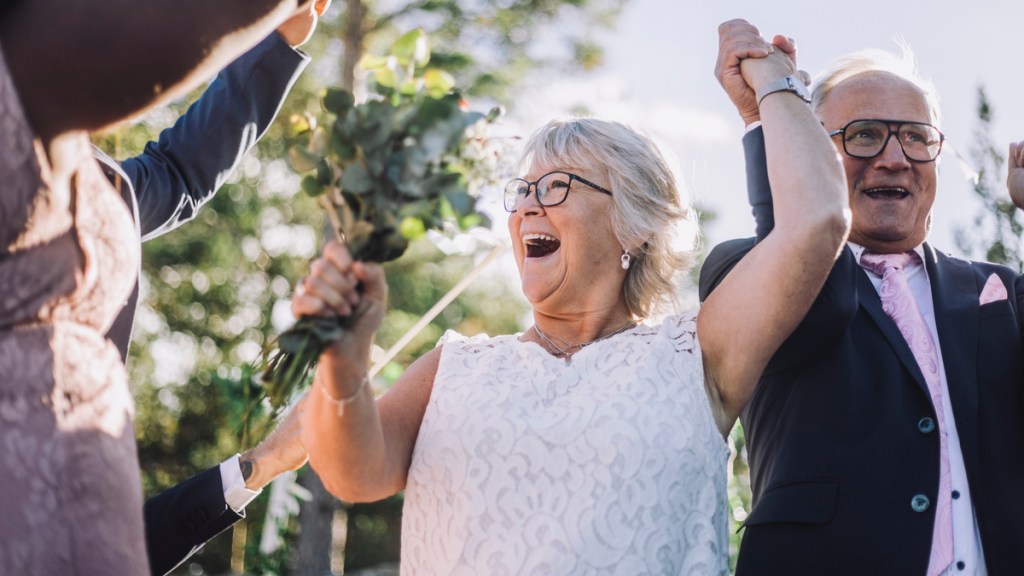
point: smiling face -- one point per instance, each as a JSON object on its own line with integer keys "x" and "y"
{"x": 568, "y": 255}
{"x": 891, "y": 197}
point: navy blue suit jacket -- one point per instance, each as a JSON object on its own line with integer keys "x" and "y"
{"x": 838, "y": 430}
{"x": 165, "y": 187}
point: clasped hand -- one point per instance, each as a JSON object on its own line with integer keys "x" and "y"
{"x": 746, "y": 60}
{"x": 339, "y": 286}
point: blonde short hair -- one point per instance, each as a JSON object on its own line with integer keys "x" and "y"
{"x": 651, "y": 214}
{"x": 902, "y": 65}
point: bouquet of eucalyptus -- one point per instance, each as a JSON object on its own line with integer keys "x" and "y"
{"x": 385, "y": 171}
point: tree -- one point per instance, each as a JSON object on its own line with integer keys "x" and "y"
{"x": 996, "y": 233}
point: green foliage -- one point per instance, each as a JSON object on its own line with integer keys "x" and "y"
{"x": 386, "y": 171}
{"x": 738, "y": 491}
{"x": 490, "y": 46}
{"x": 996, "y": 233}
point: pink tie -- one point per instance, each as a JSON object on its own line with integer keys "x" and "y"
{"x": 899, "y": 303}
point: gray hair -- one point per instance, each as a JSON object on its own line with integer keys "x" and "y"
{"x": 651, "y": 214}
{"x": 903, "y": 65}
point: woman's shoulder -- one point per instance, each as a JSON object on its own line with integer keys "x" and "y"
{"x": 680, "y": 330}
{"x": 453, "y": 340}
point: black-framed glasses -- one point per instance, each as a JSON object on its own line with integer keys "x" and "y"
{"x": 867, "y": 138}
{"x": 552, "y": 189}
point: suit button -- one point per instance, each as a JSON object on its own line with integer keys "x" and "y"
{"x": 926, "y": 425}
{"x": 920, "y": 502}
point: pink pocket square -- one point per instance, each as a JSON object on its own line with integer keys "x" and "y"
{"x": 993, "y": 290}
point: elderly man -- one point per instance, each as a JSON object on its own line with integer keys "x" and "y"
{"x": 886, "y": 436}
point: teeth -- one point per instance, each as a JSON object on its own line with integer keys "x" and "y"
{"x": 527, "y": 238}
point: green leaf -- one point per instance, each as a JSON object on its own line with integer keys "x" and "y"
{"x": 438, "y": 82}
{"x": 461, "y": 202}
{"x": 373, "y": 63}
{"x": 472, "y": 220}
{"x": 338, "y": 101}
{"x": 324, "y": 172}
{"x": 342, "y": 147}
{"x": 375, "y": 129}
{"x": 495, "y": 113}
{"x": 412, "y": 228}
{"x": 301, "y": 160}
{"x": 412, "y": 47}
{"x": 300, "y": 124}
{"x": 386, "y": 77}
{"x": 312, "y": 186}
{"x": 355, "y": 180}
{"x": 410, "y": 86}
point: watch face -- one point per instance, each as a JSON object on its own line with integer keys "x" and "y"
{"x": 801, "y": 89}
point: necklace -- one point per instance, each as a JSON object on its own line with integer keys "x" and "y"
{"x": 568, "y": 350}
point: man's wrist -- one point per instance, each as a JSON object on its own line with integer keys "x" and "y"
{"x": 246, "y": 467}
{"x": 237, "y": 493}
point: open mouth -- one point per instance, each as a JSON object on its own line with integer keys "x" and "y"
{"x": 540, "y": 245}
{"x": 894, "y": 193}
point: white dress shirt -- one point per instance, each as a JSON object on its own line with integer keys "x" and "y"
{"x": 968, "y": 557}
{"x": 235, "y": 493}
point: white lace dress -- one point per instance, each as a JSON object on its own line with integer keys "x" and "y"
{"x": 608, "y": 464}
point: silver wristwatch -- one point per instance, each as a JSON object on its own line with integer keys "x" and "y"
{"x": 789, "y": 83}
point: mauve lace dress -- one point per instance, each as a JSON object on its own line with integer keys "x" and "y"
{"x": 70, "y": 495}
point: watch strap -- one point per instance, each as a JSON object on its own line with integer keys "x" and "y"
{"x": 789, "y": 83}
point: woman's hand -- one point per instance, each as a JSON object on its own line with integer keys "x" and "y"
{"x": 339, "y": 286}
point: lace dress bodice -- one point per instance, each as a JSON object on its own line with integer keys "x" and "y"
{"x": 527, "y": 464}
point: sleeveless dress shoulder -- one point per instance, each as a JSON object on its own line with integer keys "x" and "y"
{"x": 608, "y": 464}
{"x": 70, "y": 492}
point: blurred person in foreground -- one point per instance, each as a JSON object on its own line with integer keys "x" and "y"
{"x": 69, "y": 254}
{"x": 886, "y": 435}
{"x": 593, "y": 442}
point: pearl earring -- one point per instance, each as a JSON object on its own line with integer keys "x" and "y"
{"x": 625, "y": 260}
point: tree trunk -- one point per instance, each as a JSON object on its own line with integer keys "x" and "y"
{"x": 355, "y": 34}
{"x": 313, "y": 553}
{"x": 317, "y": 541}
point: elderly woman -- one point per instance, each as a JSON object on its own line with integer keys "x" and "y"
{"x": 593, "y": 441}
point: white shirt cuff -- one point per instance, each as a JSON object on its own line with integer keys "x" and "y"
{"x": 235, "y": 493}
{"x": 751, "y": 126}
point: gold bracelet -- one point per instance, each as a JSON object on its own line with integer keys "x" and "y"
{"x": 342, "y": 402}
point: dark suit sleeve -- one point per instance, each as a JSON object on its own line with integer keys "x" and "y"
{"x": 759, "y": 193}
{"x": 835, "y": 305}
{"x": 759, "y": 190}
{"x": 177, "y": 174}
{"x": 182, "y": 518}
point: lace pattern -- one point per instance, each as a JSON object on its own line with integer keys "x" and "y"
{"x": 526, "y": 464}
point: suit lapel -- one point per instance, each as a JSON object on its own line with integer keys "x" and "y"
{"x": 868, "y": 296}
{"x": 955, "y": 294}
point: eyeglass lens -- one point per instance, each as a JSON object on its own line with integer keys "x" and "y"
{"x": 551, "y": 190}
{"x": 867, "y": 138}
